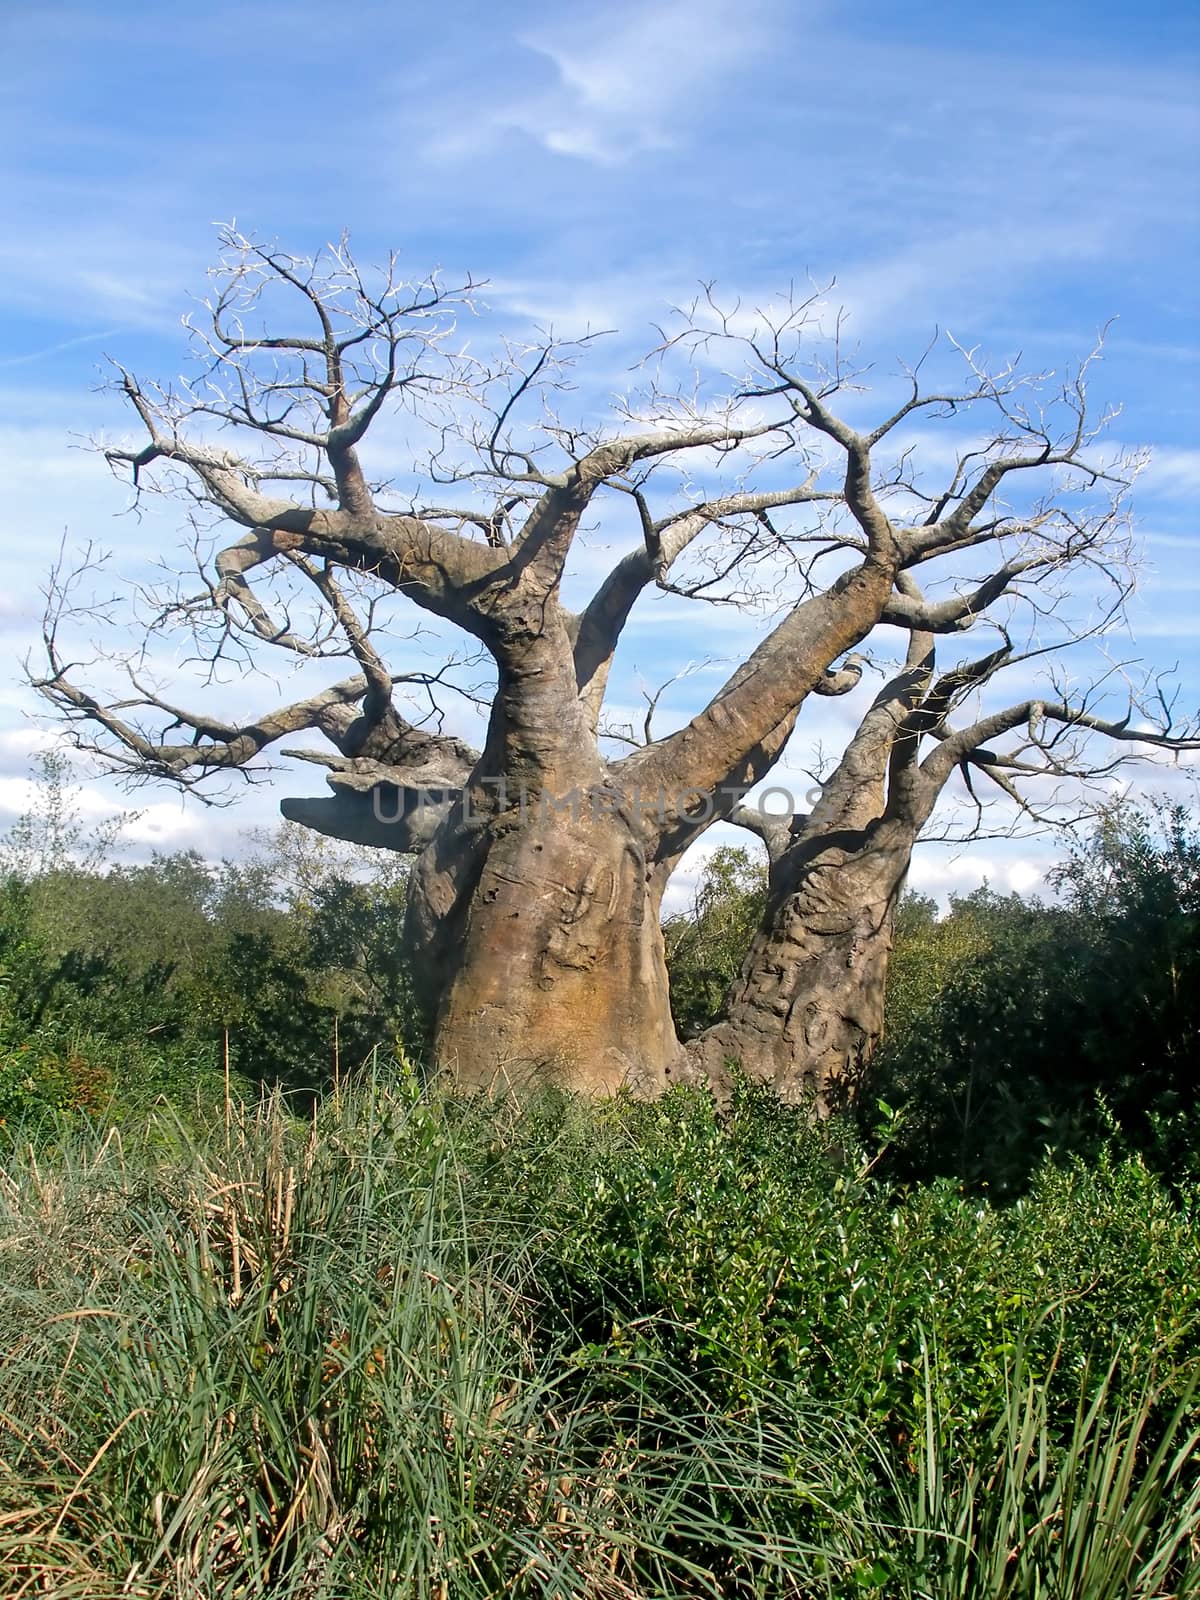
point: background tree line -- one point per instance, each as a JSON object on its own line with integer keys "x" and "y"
{"x": 130, "y": 981}
{"x": 1011, "y": 1025}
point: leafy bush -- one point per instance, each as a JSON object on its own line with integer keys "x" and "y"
{"x": 1015, "y": 1027}
{"x": 475, "y": 1349}
{"x": 461, "y": 1348}
{"x": 286, "y": 964}
{"x": 707, "y": 945}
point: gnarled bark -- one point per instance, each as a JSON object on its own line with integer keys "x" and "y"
{"x": 806, "y": 1011}
{"x": 557, "y": 968}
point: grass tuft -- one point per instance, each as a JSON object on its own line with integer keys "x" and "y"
{"x": 396, "y": 1351}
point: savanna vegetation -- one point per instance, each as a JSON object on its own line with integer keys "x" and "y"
{"x": 281, "y": 1319}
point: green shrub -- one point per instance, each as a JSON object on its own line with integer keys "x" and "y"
{"x": 1016, "y": 1027}
{"x": 469, "y": 1349}
{"x": 707, "y": 945}
{"x": 157, "y": 972}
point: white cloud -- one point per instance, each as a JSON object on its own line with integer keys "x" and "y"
{"x": 162, "y": 823}
{"x": 20, "y": 749}
{"x": 58, "y": 347}
{"x": 86, "y": 267}
{"x": 1171, "y": 471}
{"x": 625, "y": 303}
{"x": 628, "y": 81}
{"x": 1165, "y": 627}
{"x": 941, "y": 875}
{"x": 685, "y": 880}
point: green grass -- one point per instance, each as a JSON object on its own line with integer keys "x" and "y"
{"x": 456, "y": 1350}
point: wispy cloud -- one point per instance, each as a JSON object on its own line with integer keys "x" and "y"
{"x": 80, "y": 268}
{"x": 1166, "y": 628}
{"x": 58, "y": 348}
{"x": 937, "y": 872}
{"x": 1171, "y": 471}
{"x": 627, "y": 80}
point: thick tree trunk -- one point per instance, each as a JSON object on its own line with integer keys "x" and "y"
{"x": 807, "y": 1009}
{"x": 534, "y": 910}
{"x": 542, "y": 954}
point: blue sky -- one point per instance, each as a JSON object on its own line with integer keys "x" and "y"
{"x": 1018, "y": 177}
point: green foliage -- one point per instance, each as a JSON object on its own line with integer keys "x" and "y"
{"x": 470, "y": 1349}
{"x": 135, "y": 980}
{"x": 457, "y": 1349}
{"x": 1014, "y": 1027}
{"x": 1135, "y": 886}
{"x": 1111, "y": 1513}
{"x": 757, "y": 1247}
{"x": 707, "y": 945}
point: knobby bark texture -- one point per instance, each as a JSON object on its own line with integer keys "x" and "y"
{"x": 541, "y": 851}
{"x": 534, "y": 920}
{"x": 806, "y": 1011}
{"x": 559, "y": 969}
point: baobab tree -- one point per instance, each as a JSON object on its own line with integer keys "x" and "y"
{"x": 541, "y": 856}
